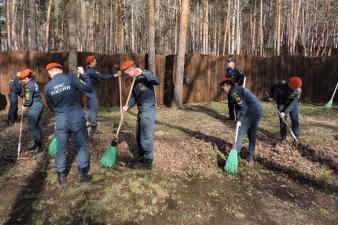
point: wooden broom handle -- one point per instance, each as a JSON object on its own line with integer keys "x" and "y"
{"x": 334, "y": 92}
{"x": 120, "y": 90}
{"x": 123, "y": 113}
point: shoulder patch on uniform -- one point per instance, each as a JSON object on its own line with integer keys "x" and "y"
{"x": 237, "y": 98}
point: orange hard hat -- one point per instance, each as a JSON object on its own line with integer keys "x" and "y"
{"x": 125, "y": 65}
{"x": 25, "y": 73}
{"x": 90, "y": 59}
{"x": 295, "y": 82}
{"x": 53, "y": 65}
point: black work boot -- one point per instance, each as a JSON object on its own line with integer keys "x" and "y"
{"x": 36, "y": 148}
{"x": 145, "y": 164}
{"x": 94, "y": 130}
{"x": 83, "y": 176}
{"x": 250, "y": 159}
{"x": 62, "y": 179}
{"x": 283, "y": 139}
{"x": 137, "y": 159}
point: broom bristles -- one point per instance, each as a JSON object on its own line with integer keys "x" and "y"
{"x": 329, "y": 105}
{"x": 52, "y": 148}
{"x": 232, "y": 162}
{"x": 109, "y": 157}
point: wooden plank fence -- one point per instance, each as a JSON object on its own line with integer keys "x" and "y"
{"x": 319, "y": 74}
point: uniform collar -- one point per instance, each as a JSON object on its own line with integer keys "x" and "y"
{"x": 56, "y": 75}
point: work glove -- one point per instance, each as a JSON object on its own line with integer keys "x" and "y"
{"x": 118, "y": 74}
{"x": 282, "y": 115}
{"x": 125, "y": 108}
{"x": 239, "y": 123}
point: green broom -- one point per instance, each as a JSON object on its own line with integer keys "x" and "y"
{"x": 231, "y": 164}
{"x": 109, "y": 157}
{"x": 329, "y": 104}
{"x": 52, "y": 147}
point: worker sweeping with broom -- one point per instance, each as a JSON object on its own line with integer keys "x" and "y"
{"x": 287, "y": 93}
{"x": 143, "y": 95}
{"x": 63, "y": 99}
{"x": 250, "y": 112}
{"x": 32, "y": 101}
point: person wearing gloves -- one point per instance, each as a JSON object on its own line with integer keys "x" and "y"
{"x": 250, "y": 112}
{"x": 63, "y": 99}
{"x": 95, "y": 79}
{"x": 144, "y": 97}
{"x": 32, "y": 101}
{"x": 287, "y": 93}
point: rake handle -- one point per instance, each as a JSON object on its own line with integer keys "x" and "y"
{"x": 20, "y": 135}
{"x": 283, "y": 119}
{"x": 123, "y": 113}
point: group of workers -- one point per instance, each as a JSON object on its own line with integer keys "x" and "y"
{"x": 245, "y": 108}
{"x": 62, "y": 97}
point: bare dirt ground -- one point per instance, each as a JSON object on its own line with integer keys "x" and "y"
{"x": 288, "y": 184}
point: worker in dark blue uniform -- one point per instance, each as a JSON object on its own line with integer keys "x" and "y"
{"x": 238, "y": 78}
{"x": 95, "y": 78}
{"x": 15, "y": 90}
{"x": 143, "y": 96}
{"x": 63, "y": 99}
{"x": 287, "y": 93}
{"x": 250, "y": 112}
{"x": 32, "y": 101}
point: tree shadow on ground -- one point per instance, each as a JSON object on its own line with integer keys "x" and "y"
{"x": 267, "y": 136}
{"x": 311, "y": 155}
{"x": 298, "y": 177}
{"x": 263, "y": 135}
{"x": 294, "y": 174}
{"x": 23, "y": 206}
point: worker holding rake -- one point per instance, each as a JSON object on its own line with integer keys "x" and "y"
{"x": 250, "y": 112}
{"x": 63, "y": 99}
{"x": 32, "y": 101}
{"x": 95, "y": 78}
{"x": 143, "y": 95}
{"x": 287, "y": 93}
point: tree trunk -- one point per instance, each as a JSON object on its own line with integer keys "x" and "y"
{"x": 261, "y": 33}
{"x": 206, "y": 28}
{"x": 33, "y": 29}
{"x": 227, "y": 30}
{"x": 13, "y": 19}
{"x": 72, "y": 43}
{"x": 238, "y": 27}
{"x": 278, "y": 38}
{"x": 22, "y": 26}
{"x": 9, "y": 27}
{"x": 182, "y": 41}
{"x": 119, "y": 36}
{"x": 50, "y": 3}
{"x": 151, "y": 36}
